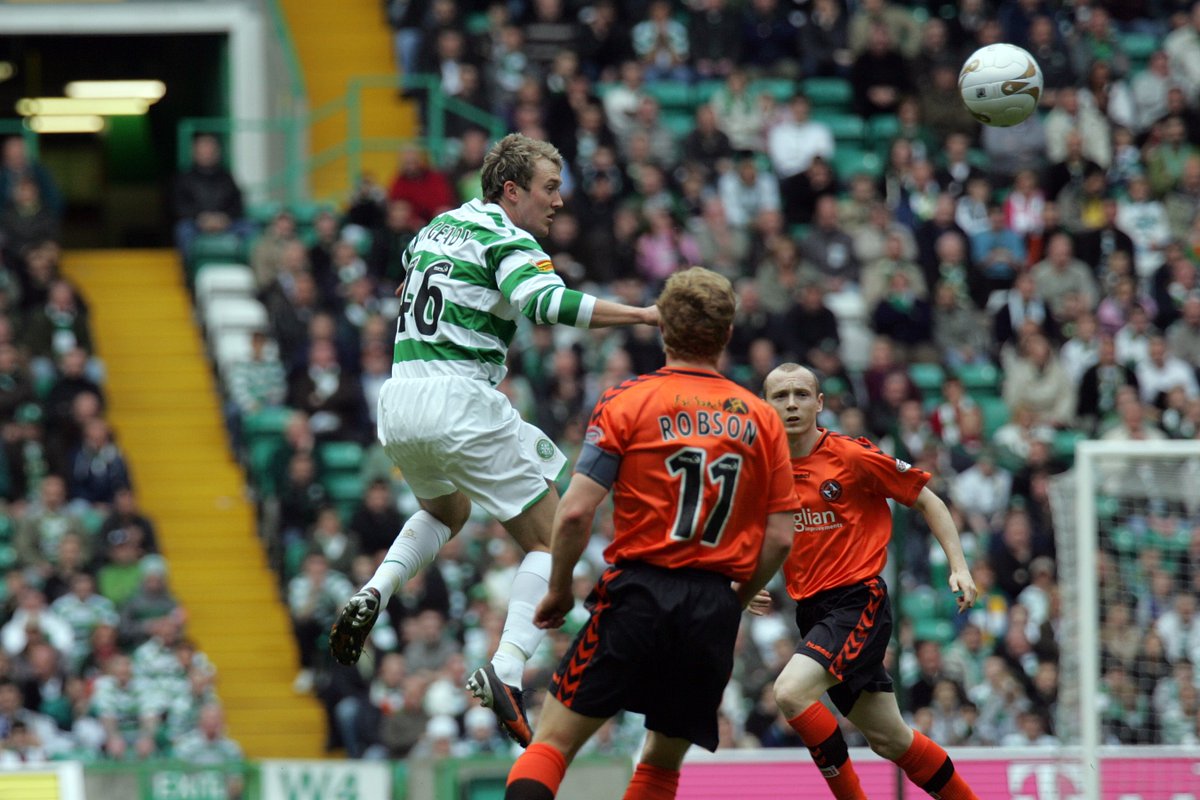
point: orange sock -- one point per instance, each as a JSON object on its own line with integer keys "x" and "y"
{"x": 927, "y": 765}
{"x": 652, "y": 783}
{"x": 537, "y": 774}
{"x": 819, "y": 730}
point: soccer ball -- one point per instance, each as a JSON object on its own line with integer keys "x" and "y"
{"x": 1000, "y": 84}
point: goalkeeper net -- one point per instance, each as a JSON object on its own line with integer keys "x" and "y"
{"x": 1127, "y": 529}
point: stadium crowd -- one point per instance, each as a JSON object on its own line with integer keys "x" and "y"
{"x": 94, "y": 662}
{"x": 975, "y": 300}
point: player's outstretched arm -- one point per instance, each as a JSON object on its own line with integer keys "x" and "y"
{"x": 777, "y": 543}
{"x": 572, "y": 529}
{"x": 946, "y": 532}
{"x": 607, "y": 314}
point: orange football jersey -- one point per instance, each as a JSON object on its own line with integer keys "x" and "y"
{"x": 695, "y": 463}
{"x": 844, "y": 523}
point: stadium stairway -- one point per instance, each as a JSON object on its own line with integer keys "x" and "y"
{"x": 165, "y": 410}
{"x": 336, "y": 41}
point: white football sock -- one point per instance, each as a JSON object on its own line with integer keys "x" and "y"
{"x": 521, "y": 637}
{"x": 414, "y": 548}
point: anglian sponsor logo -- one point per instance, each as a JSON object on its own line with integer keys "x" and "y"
{"x": 808, "y": 520}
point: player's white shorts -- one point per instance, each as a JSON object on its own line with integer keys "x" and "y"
{"x": 449, "y": 432}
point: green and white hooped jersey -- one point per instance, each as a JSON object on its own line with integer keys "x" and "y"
{"x": 471, "y": 273}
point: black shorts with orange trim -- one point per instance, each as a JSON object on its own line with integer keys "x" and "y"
{"x": 846, "y": 630}
{"x": 660, "y": 643}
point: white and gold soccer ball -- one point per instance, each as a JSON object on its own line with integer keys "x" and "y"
{"x": 1001, "y": 84}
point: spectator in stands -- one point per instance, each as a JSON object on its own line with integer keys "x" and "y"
{"x": 37, "y": 733}
{"x": 1133, "y": 423}
{"x": 206, "y": 198}
{"x": 768, "y": 39}
{"x": 267, "y": 253}
{"x": 905, "y": 317}
{"x": 1013, "y": 149}
{"x": 26, "y": 219}
{"x": 1036, "y": 379}
{"x": 1060, "y": 275}
{"x": 16, "y": 166}
{"x": 982, "y": 492}
{"x": 900, "y": 26}
{"x": 377, "y": 519}
{"x": 16, "y": 385}
{"x": 740, "y": 112}
{"x": 129, "y": 714}
{"x": 387, "y": 243}
{"x": 1145, "y": 219}
{"x": 715, "y": 38}
{"x": 1183, "y": 335}
{"x": 1096, "y": 40}
{"x": 1163, "y": 371}
{"x": 1165, "y": 160}
{"x": 810, "y": 323}
{"x": 1182, "y": 203}
{"x": 150, "y": 603}
{"x": 71, "y": 381}
{"x": 121, "y": 574}
{"x": 829, "y": 248}
{"x": 60, "y": 325}
{"x": 879, "y": 75}
{"x": 314, "y": 597}
{"x": 661, "y": 43}
{"x": 825, "y": 41}
{"x": 1099, "y": 384}
{"x": 794, "y": 140}
{"x": 1079, "y": 351}
{"x": 32, "y": 621}
{"x": 84, "y": 610}
{"x": 998, "y": 253}
{"x": 746, "y": 191}
{"x": 98, "y": 468}
{"x": 423, "y": 187}
{"x": 44, "y": 525}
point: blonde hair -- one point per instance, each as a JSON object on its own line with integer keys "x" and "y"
{"x": 514, "y": 158}
{"x": 696, "y": 308}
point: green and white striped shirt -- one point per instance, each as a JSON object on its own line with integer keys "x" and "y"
{"x": 471, "y": 273}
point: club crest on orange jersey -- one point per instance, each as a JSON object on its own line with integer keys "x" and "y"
{"x": 902, "y": 465}
{"x": 736, "y": 405}
{"x": 831, "y": 490}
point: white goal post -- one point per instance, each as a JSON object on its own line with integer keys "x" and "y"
{"x": 1120, "y": 517}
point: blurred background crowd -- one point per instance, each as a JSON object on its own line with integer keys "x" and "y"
{"x": 975, "y": 300}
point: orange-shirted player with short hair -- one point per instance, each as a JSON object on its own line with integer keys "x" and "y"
{"x": 843, "y": 612}
{"x": 703, "y": 504}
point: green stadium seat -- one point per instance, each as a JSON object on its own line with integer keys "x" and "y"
{"x": 306, "y": 211}
{"x": 262, "y": 213}
{"x": 883, "y": 128}
{"x": 980, "y": 379}
{"x": 343, "y": 487}
{"x": 7, "y": 528}
{"x": 261, "y": 457}
{"x": 703, "y": 91}
{"x": 340, "y": 457}
{"x": 1064, "y": 444}
{"x": 604, "y": 87}
{"x": 782, "y": 89}
{"x": 92, "y": 519}
{"x": 8, "y": 557}
{"x": 846, "y": 128}
{"x": 850, "y": 161}
{"x": 212, "y": 248}
{"x": 671, "y": 94}
{"x": 478, "y": 23}
{"x": 1139, "y": 46}
{"x": 679, "y": 123}
{"x": 941, "y": 631}
{"x": 919, "y": 603}
{"x": 995, "y": 413}
{"x": 799, "y": 232}
{"x": 266, "y": 423}
{"x": 829, "y": 92}
{"x": 928, "y": 378}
